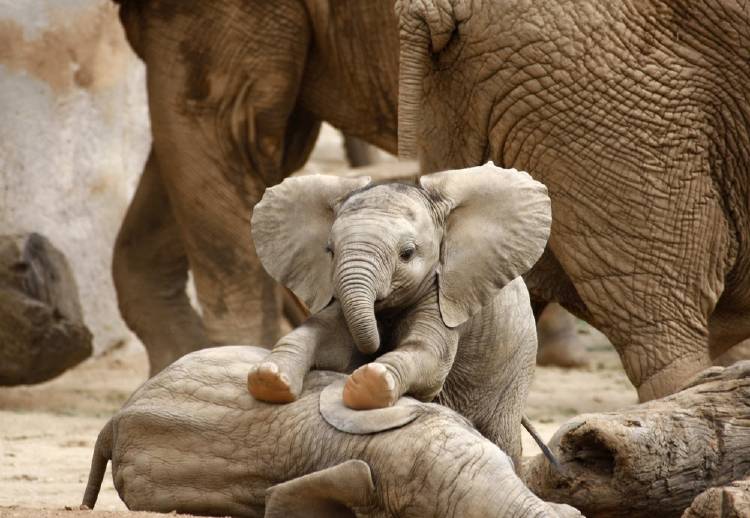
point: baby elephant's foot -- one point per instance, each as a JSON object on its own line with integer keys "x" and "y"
{"x": 266, "y": 382}
{"x": 370, "y": 386}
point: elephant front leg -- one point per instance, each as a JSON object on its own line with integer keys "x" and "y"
{"x": 323, "y": 340}
{"x": 418, "y": 367}
{"x": 150, "y": 271}
{"x": 223, "y": 82}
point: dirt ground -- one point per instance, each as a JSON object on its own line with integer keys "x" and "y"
{"x": 48, "y": 430}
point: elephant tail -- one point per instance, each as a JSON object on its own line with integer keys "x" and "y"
{"x": 538, "y": 440}
{"x": 102, "y": 455}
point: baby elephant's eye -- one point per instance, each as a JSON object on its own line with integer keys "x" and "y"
{"x": 329, "y": 249}
{"x": 407, "y": 253}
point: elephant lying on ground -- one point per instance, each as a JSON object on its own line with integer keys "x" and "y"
{"x": 192, "y": 439}
{"x": 427, "y": 276}
{"x": 635, "y": 116}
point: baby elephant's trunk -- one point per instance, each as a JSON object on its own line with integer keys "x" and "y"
{"x": 356, "y": 292}
{"x": 102, "y": 454}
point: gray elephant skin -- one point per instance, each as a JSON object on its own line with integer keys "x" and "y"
{"x": 426, "y": 283}
{"x": 192, "y": 439}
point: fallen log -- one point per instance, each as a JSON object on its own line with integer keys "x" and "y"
{"x": 652, "y": 459}
{"x": 41, "y": 324}
{"x": 732, "y": 501}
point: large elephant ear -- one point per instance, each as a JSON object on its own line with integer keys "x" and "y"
{"x": 496, "y": 229}
{"x": 290, "y": 228}
{"x": 362, "y": 422}
{"x": 330, "y": 493}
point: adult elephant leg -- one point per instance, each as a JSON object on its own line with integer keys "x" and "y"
{"x": 223, "y": 80}
{"x": 358, "y": 152}
{"x": 651, "y": 281}
{"x": 736, "y": 353}
{"x": 558, "y": 339}
{"x": 150, "y": 273}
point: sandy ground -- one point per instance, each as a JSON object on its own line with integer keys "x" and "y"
{"x": 48, "y": 431}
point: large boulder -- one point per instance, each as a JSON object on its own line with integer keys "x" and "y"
{"x": 41, "y": 325}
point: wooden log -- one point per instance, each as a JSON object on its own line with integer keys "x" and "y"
{"x": 731, "y": 501}
{"x": 41, "y": 324}
{"x": 652, "y": 459}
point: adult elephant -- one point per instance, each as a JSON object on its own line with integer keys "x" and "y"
{"x": 237, "y": 91}
{"x": 635, "y": 115}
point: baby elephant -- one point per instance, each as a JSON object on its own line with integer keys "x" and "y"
{"x": 192, "y": 439}
{"x": 427, "y": 275}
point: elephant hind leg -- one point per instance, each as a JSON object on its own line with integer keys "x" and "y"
{"x": 150, "y": 274}
{"x": 559, "y": 343}
{"x": 652, "y": 282}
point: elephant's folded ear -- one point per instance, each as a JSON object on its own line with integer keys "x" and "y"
{"x": 290, "y": 228}
{"x": 330, "y": 493}
{"x": 496, "y": 230}
{"x": 362, "y": 422}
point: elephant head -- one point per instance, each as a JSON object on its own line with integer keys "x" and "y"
{"x": 383, "y": 246}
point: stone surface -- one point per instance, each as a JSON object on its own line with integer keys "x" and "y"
{"x": 73, "y": 138}
{"x": 41, "y": 328}
{"x": 731, "y": 501}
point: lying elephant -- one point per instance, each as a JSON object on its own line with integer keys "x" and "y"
{"x": 426, "y": 275}
{"x": 192, "y": 439}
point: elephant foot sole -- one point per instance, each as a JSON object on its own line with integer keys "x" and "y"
{"x": 369, "y": 387}
{"x": 266, "y": 382}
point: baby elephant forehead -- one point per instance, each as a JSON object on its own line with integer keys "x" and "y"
{"x": 394, "y": 198}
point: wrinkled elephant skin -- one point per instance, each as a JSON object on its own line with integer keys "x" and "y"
{"x": 193, "y": 440}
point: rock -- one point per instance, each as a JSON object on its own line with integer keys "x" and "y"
{"x": 731, "y": 501}
{"x": 41, "y": 325}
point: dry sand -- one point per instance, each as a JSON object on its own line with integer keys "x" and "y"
{"x": 48, "y": 430}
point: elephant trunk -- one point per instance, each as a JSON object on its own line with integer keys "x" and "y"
{"x": 356, "y": 293}
{"x": 413, "y": 61}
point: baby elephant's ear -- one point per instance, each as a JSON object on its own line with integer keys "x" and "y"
{"x": 290, "y": 228}
{"x": 496, "y": 229}
{"x": 362, "y": 422}
{"x": 330, "y": 493}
